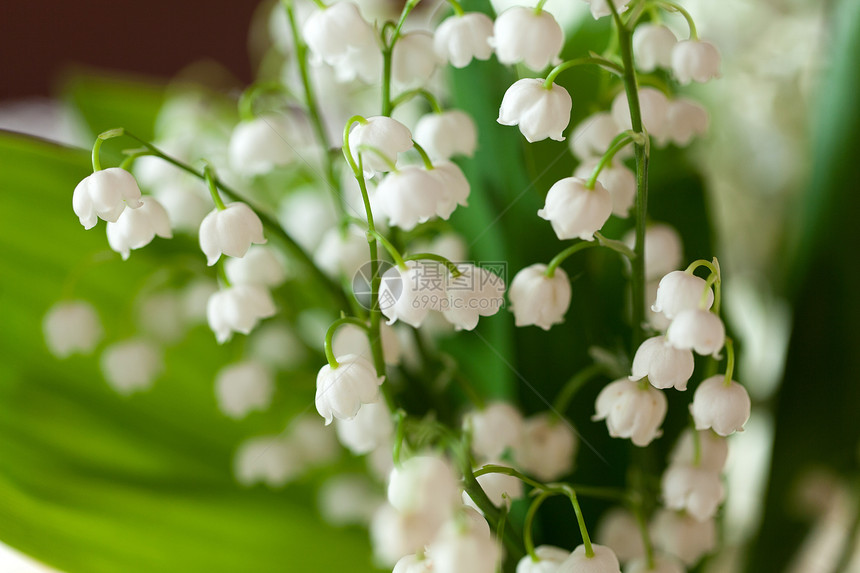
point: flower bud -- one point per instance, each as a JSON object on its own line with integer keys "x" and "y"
{"x": 593, "y": 136}
{"x": 135, "y": 228}
{"x": 538, "y": 299}
{"x": 385, "y": 135}
{"x": 540, "y": 113}
{"x": 261, "y": 266}
{"x": 603, "y": 561}
{"x": 230, "y": 231}
{"x": 631, "y": 412}
{"x": 694, "y": 489}
{"x": 574, "y": 210}
{"x": 458, "y": 39}
{"x": 72, "y": 327}
{"x": 695, "y": 60}
{"x": 522, "y": 35}
{"x": 699, "y": 329}
{"x": 495, "y": 429}
{"x": 242, "y": 387}
{"x": 653, "y": 106}
{"x": 549, "y": 447}
{"x": 683, "y": 536}
{"x": 104, "y": 195}
{"x": 409, "y": 196}
{"x": 549, "y": 560}
{"x": 652, "y": 46}
{"x": 679, "y": 291}
{"x": 342, "y": 390}
{"x": 618, "y": 179}
{"x": 723, "y": 408}
{"x": 238, "y": 309}
{"x": 443, "y": 135}
{"x": 663, "y": 364}
{"x": 131, "y": 366}
{"x": 456, "y": 550}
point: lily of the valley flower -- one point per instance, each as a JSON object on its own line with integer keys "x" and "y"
{"x": 135, "y": 228}
{"x": 538, "y": 299}
{"x": 723, "y": 408}
{"x": 131, "y": 365}
{"x": 342, "y": 390}
{"x": 631, "y": 411}
{"x": 576, "y": 211}
{"x": 443, "y": 135}
{"x": 261, "y": 265}
{"x": 679, "y": 291}
{"x": 652, "y": 45}
{"x": 243, "y": 387}
{"x": 697, "y": 329}
{"x": 258, "y": 145}
{"x": 521, "y": 34}
{"x": 695, "y": 60}
{"x": 409, "y": 294}
{"x": 694, "y": 489}
{"x": 663, "y": 364}
{"x": 460, "y": 38}
{"x": 104, "y": 195}
{"x": 340, "y": 37}
{"x": 386, "y": 136}
{"x": 230, "y": 231}
{"x": 238, "y": 309}
{"x": 603, "y": 561}
{"x": 618, "y": 179}
{"x": 72, "y": 327}
{"x": 540, "y": 113}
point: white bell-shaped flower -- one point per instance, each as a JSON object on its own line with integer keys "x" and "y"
{"x": 276, "y": 345}
{"x": 538, "y": 299}
{"x": 413, "y": 564}
{"x": 495, "y": 429}
{"x": 699, "y": 329}
{"x": 315, "y": 443}
{"x": 600, "y": 8}
{"x": 409, "y": 196}
{"x": 713, "y": 450}
{"x": 695, "y": 60}
{"x": 548, "y": 447}
{"x": 408, "y": 295}
{"x": 540, "y": 113}
{"x": 395, "y": 535}
{"x": 603, "y": 561}
{"x": 340, "y": 37}
{"x": 261, "y": 144}
{"x": 424, "y": 485}
{"x": 447, "y": 244}
{"x": 662, "y": 564}
{"x": 306, "y": 215}
{"x": 501, "y": 489}
{"x": 454, "y": 188}
{"x": 238, "y": 309}
{"x": 694, "y": 489}
{"x": 242, "y": 387}
{"x": 574, "y": 210}
{"x": 386, "y": 136}
{"x": 414, "y": 60}
{"x": 619, "y": 530}
{"x": 652, "y": 46}
{"x": 272, "y": 460}
{"x": 663, "y": 364}
{"x": 549, "y": 560}
{"x": 723, "y": 408}
{"x": 458, "y": 549}
{"x": 476, "y": 292}
{"x": 261, "y": 266}
{"x": 683, "y": 536}
{"x": 460, "y": 38}
{"x": 342, "y": 252}
{"x": 186, "y": 203}
{"x": 104, "y": 195}
{"x": 685, "y": 119}
{"x": 657, "y": 320}
{"x": 195, "y": 299}
{"x": 342, "y": 390}
{"x": 663, "y": 250}
{"x": 522, "y": 35}
{"x": 372, "y": 427}
{"x": 679, "y": 291}
{"x": 348, "y": 499}
{"x": 131, "y": 365}
{"x": 230, "y": 231}
{"x": 592, "y": 137}
{"x": 618, "y": 179}
{"x": 631, "y": 412}
{"x": 135, "y": 228}
{"x": 72, "y": 327}
{"x": 445, "y": 134}
{"x": 653, "y": 106}
{"x": 352, "y": 339}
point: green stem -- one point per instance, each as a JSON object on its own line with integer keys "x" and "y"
{"x": 615, "y": 245}
{"x": 527, "y": 525}
{"x": 596, "y": 60}
{"x": 399, "y": 435}
{"x": 562, "y": 401}
{"x": 209, "y": 177}
{"x": 701, "y": 263}
{"x": 250, "y": 95}
{"x": 730, "y": 364}
{"x": 646, "y": 535}
{"x": 408, "y": 95}
{"x": 97, "y": 146}
{"x": 703, "y": 300}
{"x": 392, "y": 250}
{"x": 673, "y": 7}
{"x": 222, "y": 273}
{"x": 379, "y": 153}
{"x": 539, "y": 6}
{"x": 329, "y": 336}
{"x": 128, "y": 161}
{"x": 387, "y": 53}
{"x": 428, "y": 165}
{"x": 697, "y": 443}
{"x": 458, "y": 8}
{"x": 452, "y": 267}
{"x": 619, "y": 143}
{"x": 560, "y": 258}
{"x": 586, "y": 540}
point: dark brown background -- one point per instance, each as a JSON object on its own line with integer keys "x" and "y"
{"x": 41, "y": 39}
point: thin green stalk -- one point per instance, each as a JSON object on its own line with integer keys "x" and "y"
{"x": 730, "y": 365}
{"x": 329, "y": 336}
{"x": 646, "y": 535}
{"x": 250, "y": 95}
{"x": 408, "y": 95}
{"x": 585, "y": 60}
{"x": 562, "y": 400}
{"x": 619, "y": 143}
{"x": 580, "y": 519}
{"x": 428, "y": 164}
{"x": 562, "y": 256}
{"x": 673, "y": 7}
{"x": 209, "y": 177}
{"x": 452, "y": 267}
{"x": 392, "y": 250}
{"x": 387, "y": 53}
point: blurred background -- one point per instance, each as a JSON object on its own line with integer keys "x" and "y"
{"x": 91, "y": 482}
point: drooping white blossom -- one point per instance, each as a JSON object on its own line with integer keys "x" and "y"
{"x": 662, "y": 564}
{"x": 424, "y": 485}
{"x": 277, "y": 346}
{"x": 618, "y": 530}
{"x": 412, "y": 563}
{"x": 474, "y": 293}
{"x": 713, "y": 450}
{"x": 341, "y": 391}
{"x": 696, "y": 490}
{"x": 697, "y": 329}
{"x": 603, "y": 561}
{"x": 540, "y": 113}
{"x": 548, "y": 447}
{"x": 495, "y": 429}
{"x": 414, "y": 60}
{"x": 263, "y": 143}
{"x": 131, "y": 365}
{"x": 652, "y": 46}
{"x": 681, "y": 535}
{"x": 395, "y": 535}
{"x": 574, "y": 210}
{"x": 723, "y": 408}
{"x": 348, "y": 499}
{"x": 685, "y": 119}
{"x": 238, "y": 309}
{"x": 408, "y": 295}
{"x": 445, "y": 134}
{"x": 592, "y": 137}
{"x": 261, "y": 266}
{"x": 352, "y": 339}
{"x": 653, "y": 106}
{"x": 186, "y": 203}
{"x": 663, "y": 364}
{"x": 695, "y": 60}
{"x": 340, "y": 37}
{"x": 342, "y": 252}
{"x": 538, "y": 299}
{"x": 306, "y": 215}
{"x": 631, "y": 411}
{"x": 383, "y": 134}
{"x": 460, "y": 38}
{"x": 663, "y": 250}
{"x": 679, "y": 291}
{"x": 104, "y": 195}
{"x": 230, "y": 231}
{"x": 454, "y": 188}
{"x": 372, "y": 427}
{"x": 600, "y": 8}
{"x": 409, "y": 196}
{"x": 457, "y": 549}
{"x": 72, "y": 327}
{"x": 618, "y": 179}
{"x": 243, "y": 387}
{"x": 315, "y": 443}
{"x": 136, "y": 228}
{"x": 549, "y": 560}
{"x": 521, "y": 34}
{"x": 272, "y": 460}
